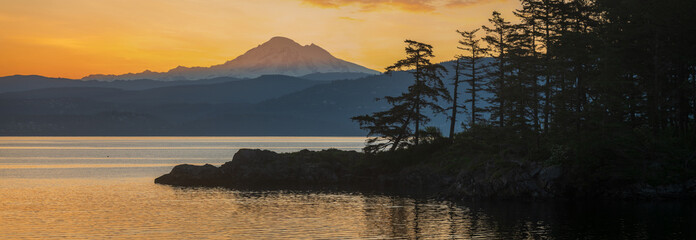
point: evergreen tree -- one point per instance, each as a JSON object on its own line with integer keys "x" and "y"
{"x": 455, "y": 94}
{"x": 548, "y": 15}
{"x": 472, "y": 63}
{"x": 497, "y": 40}
{"x": 391, "y": 128}
{"x": 428, "y": 87}
{"x": 572, "y": 72}
{"x": 520, "y": 82}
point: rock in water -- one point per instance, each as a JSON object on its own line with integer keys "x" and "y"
{"x": 263, "y": 169}
{"x": 192, "y": 175}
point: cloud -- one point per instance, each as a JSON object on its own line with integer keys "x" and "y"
{"x": 350, "y": 19}
{"x": 404, "y": 5}
{"x": 373, "y": 5}
{"x": 466, "y": 3}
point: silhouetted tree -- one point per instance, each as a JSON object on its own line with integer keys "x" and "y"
{"x": 548, "y": 16}
{"x": 388, "y": 129}
{"x": 571, "y": 73}
{"x": 472, "y": 63}
{"x": 528, "y": 64}
{"x": 455, "y": 94}
{"x": 497, "y": 40}
{"x": 430, "y": 134}
{"x": 428, "y": 87}
{"x": 391, "y": 128}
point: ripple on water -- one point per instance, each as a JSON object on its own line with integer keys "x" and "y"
{"x": 102, "y": 187}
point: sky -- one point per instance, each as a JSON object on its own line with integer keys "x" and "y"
{"x": 76, "y": 38}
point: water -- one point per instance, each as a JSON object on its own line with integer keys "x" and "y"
{"x": 102, "y": 187}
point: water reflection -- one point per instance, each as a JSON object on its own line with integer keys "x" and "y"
{"x": 390, "y": 217}
{"x": 84, "y": 189}
{"x": 350, "y": 215}
{"x": 128, "y": 208}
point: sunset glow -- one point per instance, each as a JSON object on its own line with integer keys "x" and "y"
{"x": 75, "y": 38}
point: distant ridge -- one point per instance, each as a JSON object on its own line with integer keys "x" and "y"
{"x": 279, "y": 55}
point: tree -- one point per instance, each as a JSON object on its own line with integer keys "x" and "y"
{"x": 548, "y": 15}
{"x": 528, "y": 32}
{"x": 388, "y": 129}
{"x": 391, "y": 128}
{"x": 520, "y": 88}
{"x": 497, "y": 40}
{"x": 430, "y": 134}
{"x": 428, "y": 87}
{"x": 472, "y": 59}
{"x": 455, "y": 94}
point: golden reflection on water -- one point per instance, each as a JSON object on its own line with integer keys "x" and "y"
{"x": 112, "y": 165}
{"x": 136, "y": 208}
{"x": 102, "y": 187}
{"x": 83, "y": 187}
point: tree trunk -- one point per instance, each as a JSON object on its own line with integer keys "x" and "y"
{"x": 535, "y": 85}
{"x": 547, "y": 84}
{"x": 501, "y": 64}
{"x": 453, "y": 120}
{"x": 473, "y": 88}
{"x": 418, "y": 97}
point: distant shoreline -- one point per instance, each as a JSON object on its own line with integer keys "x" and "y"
{"x": 356, "y": 136}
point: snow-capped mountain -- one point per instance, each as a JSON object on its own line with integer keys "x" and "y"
{"x": 279, "y": 55}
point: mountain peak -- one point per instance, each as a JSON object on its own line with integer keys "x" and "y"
{"x": 278, "y": 40}
{"x": 279, "y": 55}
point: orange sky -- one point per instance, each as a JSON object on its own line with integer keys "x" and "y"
{"x": 75, "y": 38}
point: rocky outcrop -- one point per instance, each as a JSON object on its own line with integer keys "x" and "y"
{"x": 192, "y": 175}
{"x": 350, "y": 171}
{"x": 262, "y": 168}
{"x": 534, "y": 180}
{"x": 525, "y": 180}
{"x": 253, "y": 168}
{"x": 668, "y": 191}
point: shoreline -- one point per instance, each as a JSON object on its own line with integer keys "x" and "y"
{"x": 351, "y": 171}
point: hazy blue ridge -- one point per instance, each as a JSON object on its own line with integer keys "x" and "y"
{"x": 267, "y": 105}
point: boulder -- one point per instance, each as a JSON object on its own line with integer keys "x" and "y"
{"x": 192, "y": 175}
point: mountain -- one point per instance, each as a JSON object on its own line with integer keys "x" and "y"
{"x": 292, "y": 107}
{"x": 155, "y": 111}
{"x": 332, "y": 76}
{"x": 18, "y": 83}
{"x": 279, "y": 55}
{"x": 320, "y": 110}
{"x": 245, "y": 91}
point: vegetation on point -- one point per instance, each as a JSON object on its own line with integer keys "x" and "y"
{"x": 606, "y": 89}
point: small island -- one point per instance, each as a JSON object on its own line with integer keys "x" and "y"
{"x": 412, "y": 173}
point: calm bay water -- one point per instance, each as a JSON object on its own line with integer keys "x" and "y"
{"x": 102, "y": 187}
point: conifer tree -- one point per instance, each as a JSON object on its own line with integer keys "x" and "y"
{"x": 388, "y": 129}
{"x": 527, "y": 54}
{"x": 428, "y": 87}
{"x": 498, "y": 42}
{"x": 391, "y": 128}
{"x": 455, "y": 94}
{"x": 472, "y": 63}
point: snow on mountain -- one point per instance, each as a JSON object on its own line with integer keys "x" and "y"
{"x": 279, "y": 55}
